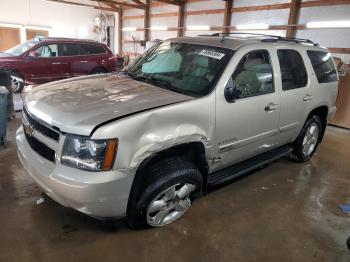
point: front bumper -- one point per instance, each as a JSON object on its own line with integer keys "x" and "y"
{"x": 98, "y": 194}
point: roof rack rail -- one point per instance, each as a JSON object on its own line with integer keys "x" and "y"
{"x": 270, "y": 38}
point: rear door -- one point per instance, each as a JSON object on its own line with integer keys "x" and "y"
{"x": 70, "y": 54}
{"x": 91, "y": 57}
{"x": 247, "y": 126}
{"x": 295, "y": 95}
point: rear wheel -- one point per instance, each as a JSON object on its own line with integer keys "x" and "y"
{"x": 98, "y": 71}
{"x": 17, "y": 82}
{"x": 307, "y": 142}
{"x": 166, "y": 194}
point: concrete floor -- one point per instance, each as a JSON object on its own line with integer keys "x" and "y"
{"x": 284, "y": 212}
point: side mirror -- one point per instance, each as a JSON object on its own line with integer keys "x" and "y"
{"x": 33, "y": 54}
{"x": 231, "y": 93}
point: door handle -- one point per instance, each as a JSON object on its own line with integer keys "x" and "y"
{"x": 271, "y": 107}
{"x": 83, "y": 62}
{"x": 307, "y": 98}
{"x": 56, "y": 63}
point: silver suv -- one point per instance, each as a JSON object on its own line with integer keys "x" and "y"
{"x": 187, "y": 114}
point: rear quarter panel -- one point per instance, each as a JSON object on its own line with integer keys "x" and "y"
{"x": 324, "y": 94}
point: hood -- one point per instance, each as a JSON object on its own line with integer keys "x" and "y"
{"x": 78, "y": 105}
{"x": 4, "y": 56}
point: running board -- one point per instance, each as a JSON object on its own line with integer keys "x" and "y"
{"x": 239, "y": 169}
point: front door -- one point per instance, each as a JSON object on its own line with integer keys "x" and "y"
{"x": 44, "y": 64}
{"x": 247, "y": 126}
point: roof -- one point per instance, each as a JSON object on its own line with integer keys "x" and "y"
{"x": 55, "y": 39}
{"x": 234, "y": 42}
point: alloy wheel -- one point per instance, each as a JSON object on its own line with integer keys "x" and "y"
{"x": 170, "y": 204}
{"x": 310, "y": 139}
{"x": 16, "y": 83}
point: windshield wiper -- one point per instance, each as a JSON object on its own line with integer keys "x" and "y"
{"x": 151, "y": 80}
{"x": 157, "y": 82}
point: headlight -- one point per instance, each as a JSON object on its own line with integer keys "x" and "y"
{"x": 88, "y": 154}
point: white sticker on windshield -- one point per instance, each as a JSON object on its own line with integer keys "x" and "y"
{"x": 212, "y": 54}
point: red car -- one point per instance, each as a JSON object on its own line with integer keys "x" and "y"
{"x": 42, "y": 60}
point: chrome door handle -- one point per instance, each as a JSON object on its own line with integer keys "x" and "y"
{"x": 83, "y": 62}
{"x": 307, "y": 98}
{"x": 271, "y": 107}
{"x": 56, "y": 63}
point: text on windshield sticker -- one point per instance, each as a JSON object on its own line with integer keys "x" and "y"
{"x": 212, "y": 54}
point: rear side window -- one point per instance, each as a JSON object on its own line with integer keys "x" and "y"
{"x": 293, "y": 71}
{"x": 68, "y": 49}
{"x": 323, "y": 66}
{"x": 92, "y": 49}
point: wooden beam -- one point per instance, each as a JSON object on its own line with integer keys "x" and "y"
{"x": 339, "y": 50}
{"x": 293, "y": 18}
{"x": 324, "y": 3}
{"x": 170, "y": 2}
{"x": 120, "y": 32}
{"x": 138, "y": 2}
{"x": 146, "y": 22}
{"x": 227, "y": 16}
{"x": 181, "y": 20}
{"x": 261, "y": 7}
{"x": 86, "y": 5}
{"x": 120, "y": 4}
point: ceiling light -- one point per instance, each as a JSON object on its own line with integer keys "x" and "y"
{"x": 198, "y": 27}
{"x": 129, "y": 29}
{"x": 252, "y": 26}
{"x": 159, "y": 28}
{"x": 328, "y": 24}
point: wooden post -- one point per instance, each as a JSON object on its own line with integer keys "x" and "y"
{"x": 120, "y": 32}
{"x": 146, "y": 23}
{"x": 293, "y": 18}
{"x": 227, "y": 16}
{"x": 181, "y": 20}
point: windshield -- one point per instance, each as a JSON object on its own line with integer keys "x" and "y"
{"x": 185, "y": 68}
{"x": 21, "y": 48}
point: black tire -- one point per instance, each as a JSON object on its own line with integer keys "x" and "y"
{"x": 297, "y": 154}
{"x": 158, "y": 177}
{"x": 98, "y": 71}
{"x": 17, "y": 82}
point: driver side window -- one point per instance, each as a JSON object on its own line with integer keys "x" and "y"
{"x": 253, "y": 75}
{"x": 46, "y": 51}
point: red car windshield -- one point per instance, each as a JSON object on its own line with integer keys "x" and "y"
{"x": 21, "y": 48}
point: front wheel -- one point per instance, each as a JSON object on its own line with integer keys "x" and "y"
{"x": 167, "y": 193}
{"x": 17, "y": 82}
{"x": 307, "y": 142}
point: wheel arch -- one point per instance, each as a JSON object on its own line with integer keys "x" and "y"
{"x": 12, "y": 69}
{"x": 98, "y": 67}
{"x": 322, "y": 113}
{"x": 194, "y": 151}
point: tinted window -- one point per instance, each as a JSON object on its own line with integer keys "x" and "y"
{"x": 293, "y": 70}
{"x": 46, "y": 51}
{"x": 92, "y": 49}
{"x": 253, "y": 75}
{"x": 68, "y": 49}
{"x": 323, "y": 66}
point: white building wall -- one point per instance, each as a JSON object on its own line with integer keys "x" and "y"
{"x": 64, "y": 20}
